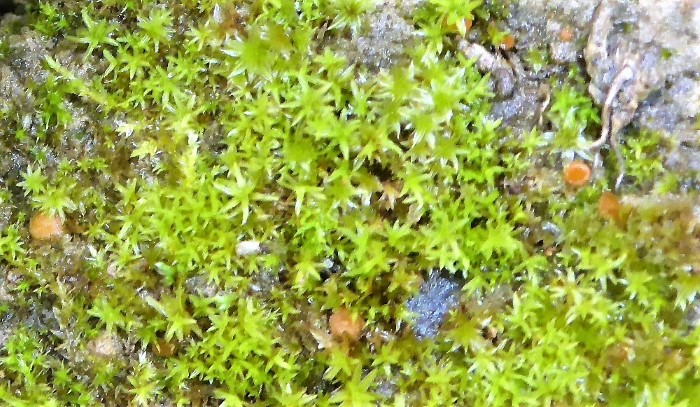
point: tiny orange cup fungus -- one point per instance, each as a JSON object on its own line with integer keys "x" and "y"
{"x": 609, "y": 206}
{"x": 46, "y": 227}
{"x": 577, "y": 173}
{"x": 343, "y": 325}
{"x": 566, "y": 34}
{"x": 508, "y": 42}
{"x": 468, "y": 23}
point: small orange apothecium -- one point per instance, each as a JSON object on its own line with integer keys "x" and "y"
{"x": 342, "y": 324}
{"x": 609, "y": 206}
{"x": 577, "y": 173}
{"x": 508, "y": 42}
{"x": 566, "y": 34}
{"x": 46, "y": 227}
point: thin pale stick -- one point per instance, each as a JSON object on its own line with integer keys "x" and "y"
{"x": 624, "y": 75}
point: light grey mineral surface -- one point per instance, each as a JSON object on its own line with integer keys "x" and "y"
{"x": 384, "y": 37}
{"x": 437, "y": 296}
{"x": 660, "y": 41}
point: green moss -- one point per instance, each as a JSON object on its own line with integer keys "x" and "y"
{"x": 643, "y": 151}
{"x": 207, "y": 124}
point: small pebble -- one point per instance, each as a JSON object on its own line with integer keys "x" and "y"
{"x": 505, "y": 82}
{"x": 437, "y": 296}
{"x": 106, "y": 345}
{"x": 248, "y": 248}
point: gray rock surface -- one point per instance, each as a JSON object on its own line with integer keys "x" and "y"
{"x": 437, "y": 296}
{"x": 384, "y": 38}
{"x": 538, "y": 24}
{"x": 660, "y": 41}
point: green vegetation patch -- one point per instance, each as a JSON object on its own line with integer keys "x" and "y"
{"x": 226, "y": 178}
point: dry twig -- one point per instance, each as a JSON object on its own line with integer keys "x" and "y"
{"x": 625, "y": 74}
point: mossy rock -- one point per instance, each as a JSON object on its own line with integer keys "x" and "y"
{"x": 225, "y": 177}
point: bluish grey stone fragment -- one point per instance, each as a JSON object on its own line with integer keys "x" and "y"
{"x": 437, "y": 296}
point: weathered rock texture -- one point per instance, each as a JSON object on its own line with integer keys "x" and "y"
{"x": 660, "y": 41}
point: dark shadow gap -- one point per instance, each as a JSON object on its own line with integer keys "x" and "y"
{"x": 8, "y": 6}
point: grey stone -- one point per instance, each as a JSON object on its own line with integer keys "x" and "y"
{"x": 386, "y": 35}
{"x": 437, "y": 296}
{"x": 660, "y": 41}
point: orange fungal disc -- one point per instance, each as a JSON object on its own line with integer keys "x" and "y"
{"x": 609, "y": 206}
{"x": 577, "y": 173}
{"x": 46, "y": 227}
{"x": 342, "y": 324}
